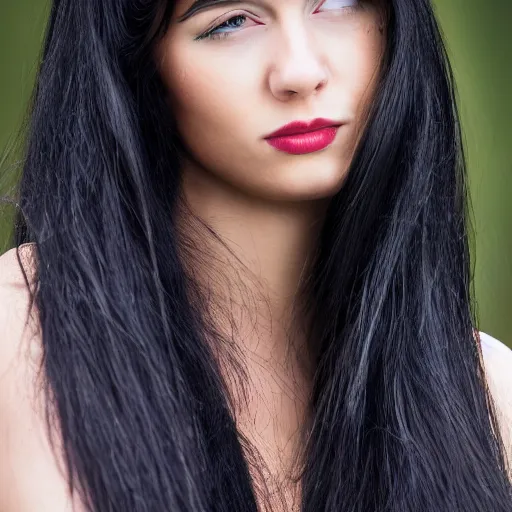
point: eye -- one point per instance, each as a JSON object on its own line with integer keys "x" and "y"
{"x": 222, "y": 30}
{"x": 347, "y": 5}
{"x": 226, "y": 28}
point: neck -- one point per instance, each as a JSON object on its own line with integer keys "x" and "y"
{"x": 257, "y": 263}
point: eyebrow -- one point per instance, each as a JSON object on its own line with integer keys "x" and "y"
{"x": 199, "y": 5}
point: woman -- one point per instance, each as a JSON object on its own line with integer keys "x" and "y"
{"x": 232, "y": 313}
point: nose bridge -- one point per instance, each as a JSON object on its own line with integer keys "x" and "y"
{"x": 297, "y": 63}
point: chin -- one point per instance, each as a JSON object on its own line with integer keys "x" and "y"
{"x": 313, "y": 186}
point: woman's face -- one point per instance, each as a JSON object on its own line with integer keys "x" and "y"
{"x": 236, "y": 71}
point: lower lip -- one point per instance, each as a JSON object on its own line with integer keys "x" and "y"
{"x": 305, "y": 142}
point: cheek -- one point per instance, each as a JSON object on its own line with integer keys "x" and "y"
{"x": 359, "y": 72}
{"x": 207, "y": 99}
{"x": 367, "y": 63}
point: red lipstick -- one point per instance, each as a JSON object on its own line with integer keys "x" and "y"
{"x": 300, "y": 137}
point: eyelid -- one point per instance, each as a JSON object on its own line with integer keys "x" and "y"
{"x": 223, "y": 18}
{"x": 214, "y": 25}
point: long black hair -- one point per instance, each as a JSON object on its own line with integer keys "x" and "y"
{"x": 401, "y": 418}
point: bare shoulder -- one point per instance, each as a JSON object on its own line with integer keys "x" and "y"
{"x": 497, "y": 358}
{"x": 15, "y": 324}
{"x": 30, "y": 480}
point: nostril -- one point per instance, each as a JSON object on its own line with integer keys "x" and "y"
{"x": 320, "y": 85}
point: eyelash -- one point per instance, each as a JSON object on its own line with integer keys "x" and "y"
{"x": 220, "y": 35}
{"x": 212, "y": 34}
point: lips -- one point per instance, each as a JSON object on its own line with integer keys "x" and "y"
{"x": 300, "y": 137}
{"x": 300, "y": 127}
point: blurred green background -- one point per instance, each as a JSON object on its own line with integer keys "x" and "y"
{"x": 479, "y": 39}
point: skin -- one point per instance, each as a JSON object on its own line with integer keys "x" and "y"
{"x": 226, "y": 95}
{"x": 284, "y": 60}
{"x": 288, "y": 61}
{"x": 290, "y": 64}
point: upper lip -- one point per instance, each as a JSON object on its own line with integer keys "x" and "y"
{"x": 297, "y": 127}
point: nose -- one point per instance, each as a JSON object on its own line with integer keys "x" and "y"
{"x": 298, "y": 70}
